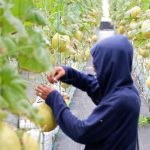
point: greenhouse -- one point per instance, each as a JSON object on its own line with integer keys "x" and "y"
{"x": 74, "y": 74}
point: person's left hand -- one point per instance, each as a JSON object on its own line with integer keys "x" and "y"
{"x": 43, "y": 91}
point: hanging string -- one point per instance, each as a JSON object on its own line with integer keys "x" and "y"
{"x": 58, "y": 20}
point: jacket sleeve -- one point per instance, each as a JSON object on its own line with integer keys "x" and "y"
{"x": 85, "y": 82}
{"x": 95, "y": 128}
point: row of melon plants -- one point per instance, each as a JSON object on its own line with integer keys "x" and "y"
{"x": 36, "y": 36}
{"x": 132, "y": 18}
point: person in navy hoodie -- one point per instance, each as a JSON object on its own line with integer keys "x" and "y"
{"x": 112, "y": 125}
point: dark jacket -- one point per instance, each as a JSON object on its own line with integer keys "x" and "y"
{"x": 113, "y": 123}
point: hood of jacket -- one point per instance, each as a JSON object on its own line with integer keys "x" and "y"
{"x": 112, "y": 59}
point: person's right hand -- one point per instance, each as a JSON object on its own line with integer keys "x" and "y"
{"x": 56, "y": 75}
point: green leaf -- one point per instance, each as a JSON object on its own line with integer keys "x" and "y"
{"x": 143, "y": 121}
{"x": 3, "y": 103}
{"x": 20, "y": 8}
{"x": 40, "y": 19}
{"x": 37, "y": 61}
{"x": 6, "y": 27}
{"x": 12, "y": 88}
{"x": 9, "y": 43}
{"x": 60, "y": 28}
{"x": 16, "y": 24}
{"x": 145, "y": 4}
{"x": 37, "y": 16}
{"x": 72, "y": 13}
{"x": 148, "y": 119}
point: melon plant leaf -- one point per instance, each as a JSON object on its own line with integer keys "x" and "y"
{"x": 34, "y": 61}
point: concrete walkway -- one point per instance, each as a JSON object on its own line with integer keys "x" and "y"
{"x": 144, "y": 132}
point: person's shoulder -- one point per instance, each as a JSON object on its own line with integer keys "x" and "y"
{"x": 125, "y": 100}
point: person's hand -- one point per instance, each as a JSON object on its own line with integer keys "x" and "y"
{"x": 56, "y": 75}
{"x": 43, "y": 91}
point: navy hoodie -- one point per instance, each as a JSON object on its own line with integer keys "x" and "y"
{"x": 113, "y": 123}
